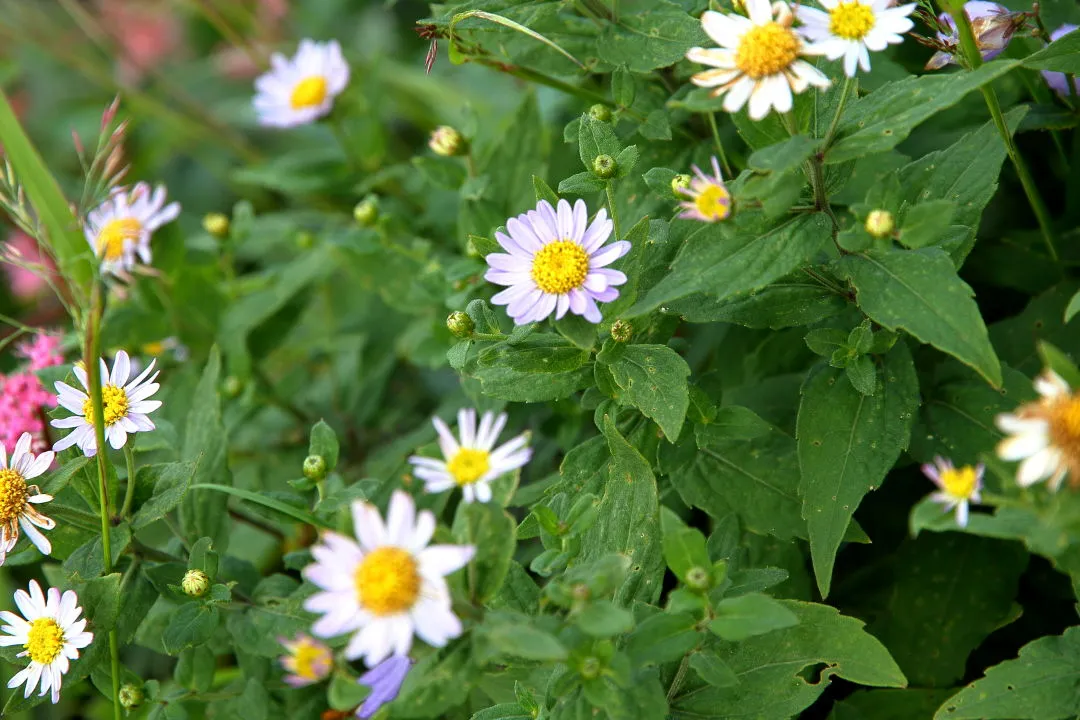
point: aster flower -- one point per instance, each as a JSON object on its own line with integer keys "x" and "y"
{"x": 119, "y": 229}
{"x": 126, "y": 404}
{"x": 758, "y": 59}
{"x": 17, "y": 498}
{"x": 959, "y": 487}
{"x": 42, "y": 352}
{"x": 307, "y": 661}
{"x": 555, "y": 261}
{"x": 385, "y": 680}
{"x": 389, "y": 586}
{"x": 993, "y": 26}
{"x": 850, "y": 29}
{"x": 471, "y": 463}
{"x": 709, "y": 200}
{"x": 51, "y": 633}
{"x": 1044, "y": 434}
{"x": 300, "y": 90}
{"x": 1057, "y": 80}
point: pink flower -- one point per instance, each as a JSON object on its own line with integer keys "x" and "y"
{"x": 23, "y": 399}
{"x": 42, "y": 352}
{"x": 25, "y": 265}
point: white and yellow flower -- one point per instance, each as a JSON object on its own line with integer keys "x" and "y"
{"x": 708, "y": 199}
{"x": 120, "y": 228}
{"x": 387, "y": 587}
{"x": 51, "y": 633}
{"x": 126, "y": 405}
{"x": 300, "y": 90}
{"x": 959, "y": 486}
{"x": 470, "y": 463}
{"x": 851, "y": 29}
{"x": 17, "y": 498}
{"x": 759, "y": 59}
{"x": 1045, "y": 434}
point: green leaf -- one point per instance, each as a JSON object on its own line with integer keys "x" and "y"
{"x": 515, "y": 26}
{"x": 345, "y": 693}
{"x": 1062, "y": 55}
{"x": 925, "y": 223}
{"x": 539, "y": 367}
{"x": 195, "y": 668}
{"x": 267, "y": 502}
{"x": 511, "y": 634}
{"x": 503, "y": 711}
{"x": 191, "y": 624}
{"x": 791, "y": 302}
{"x": 847, "y": 442}
{"x": 205, "y": 441}
{"x": 662, "y": 638}
{"x": 491, "y": 530}
{"x": 57, "y": 481}
{"x": 1054, "y": 359}
{"x": 1041, "y": 683}
{"x": 684, "y": 547}
{"x": 324, "y": 442}
{"x": 862, "y": 373}
{"x": 920, "y": 292}
{"x": 645, "y": 41}
{"x": 544, "y": 191}
{"x": 713, "y": 670}
{"x": 1073, "y": 307}
{"x": 582, "y": 183}
{"x": 652, "y": 379}
{"x": 604, "y": 619}
{"x": 623, "y": 87}
{"x": 203, "y": 557}
{"x": 595, "y": 138}
{"x": 752, "y": 614}
{"x": 170, "y": 482}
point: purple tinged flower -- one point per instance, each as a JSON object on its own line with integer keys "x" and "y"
{"x": 1056, "y": 80}
{"x": 556, "y": 261}
{"x": 992, "y": 24}
{"x": 385, "y": 681}
{"x": 959, "y": 487}
{"x": 307, "y": 661}
{"x": 709, "y": 200}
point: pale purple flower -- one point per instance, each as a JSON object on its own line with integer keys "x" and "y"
{"x": 385, "y": 681}
{"x": 992, "y": 24}
{"x": 307, "y": 661}
{"x": 1056, "y": 80}
{"x": 709, "y": 200}
{"x": 959, "y": 487}
{"x": 555, "y": 261}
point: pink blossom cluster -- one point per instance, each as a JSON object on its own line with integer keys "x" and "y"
{"x": 23, "y": 399}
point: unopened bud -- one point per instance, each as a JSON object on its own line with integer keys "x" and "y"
{"x": 304, "y": 240}
{"x": 131, "y": 696}
{"x": 590, "y": 668}
{"x": 315, "y": 468}
{"x": 698, "y": 578}
{"x": 460, "y": 324}
{"x": 366, "y": 211}
{"x": 680, "y": 184}
{"x": 447, "y": 141}
{"x": 621, "y": 331}
{"x": 600, "y": 112}
{"x": 195, "y": 583}
{"x": 232, "y": 386}
{"x": 216, "y": 224}
{"x": 880, "y": 223}
{"x": 603, "y": 166}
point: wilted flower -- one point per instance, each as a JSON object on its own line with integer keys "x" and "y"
{"x": 471, "y": 464}
{"x": 709, "y": 200}
{"x": 388, "y": 586}
{"x": 307, "y": 661}
{"x": 120, "y": 228}
{"x": 554, "y": 262}
{"x": 302, "y": 89}
{"x": 126, "y": 404}
{"x": 850, "y": 29}
{"x": 959, "y": 486}
{"x": 51, "y": 634}
{"x": 993, "y": 26}
{"x": 758, "y": 59}
{"x": 17, "y": 498}
{"x": 1058, "y": 81}
{"x": 385, "y": 681}
{"x": 1045, "y": 434}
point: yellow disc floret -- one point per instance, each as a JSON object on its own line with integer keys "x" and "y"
{"x": 309, "y": 92}
{"x": 714, "y": 202}
{"x": 1064, "y": 419}
{"x": 115, "y": 405}
{"x": 469, "y": 465}
{"x": 115, "y": 234}
{"x": 387, "y": 581}
{"x": 959, "y": 482}
{"x": 767, "y": 50}
{"x": 45, "y": 641}
{"x": 13, "y": 494}
{"x": 851, "y": 21}
{"x": 311, "y": 661}
{"x": 560, "y": 267}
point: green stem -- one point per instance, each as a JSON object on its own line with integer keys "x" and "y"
{"x": 970, "y": 49}
{"x": 719, "y": 145}
{"x": 844, "y": 92}
{"x": 129, "y": 492}
{"x": 611, "y": 209}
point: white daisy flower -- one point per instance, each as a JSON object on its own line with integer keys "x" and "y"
{"x": 758, "y": 59}
{"x": 388, "y": 586}
{"x": 471, "y": 463}
{"x": 51, "y": 634}
{"x": 126, "y": 406}
{"x": 959, "y": 486}
{"x": 300, "y": 90}
{"x": 708, "y": 199}
{"x": 1044, "y": 434}
{"x": 17, "y": 499}
{"x": 120, "y": 228}
{"x": 850, "y": 29}
{"x": 555, "y": 261}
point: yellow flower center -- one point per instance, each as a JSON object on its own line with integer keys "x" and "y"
{"x": 959, "y": 482}
{"x": 1064, "y": 419}
{"x": 115, "y": 405}
{"x": 713, "y": 203}
{"x": 13, "y": 494}
{"x": 44, "y": 641}
{"x": 112, "y": 238}
{"x": 311, "y": 661}
{"x": 851, "y": 21}
{"x": 309, "y": 92}
{"x": 469, "y": 465}
{"x": 766, "y": 50}
{"x": 154, "y": 349}
{"x": 387, "y": 581}
{"x": 560, "y": 267}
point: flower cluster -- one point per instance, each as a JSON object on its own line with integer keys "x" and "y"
{"x": 23, "y": 399}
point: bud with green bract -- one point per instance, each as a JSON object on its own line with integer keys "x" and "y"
{"x": 315, "y": 468}
{"x": 195, "y": 584}
{"x": 622, "y": 331}
{"x": 600, "y": 112}
{"x": 131, "y": 696}
{"x": 447, "y": 141}
{"x": 460, "y": 324}
{"x": 216, "y": 224}
{"x": 366, "y": 211}
{"x": 604, "y": 166}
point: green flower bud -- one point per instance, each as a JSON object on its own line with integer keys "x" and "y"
{"x": 315, "y": 468}
{"x": 131, "y": 696}
{"x": 880, "y": 223}
{"x": 600, "y": 112}
{"x": 447, "y": 141}
{"x": 366, "y": 211}
{"x": 680, "y": 184}
{"x": 698, "y": 579}
{"x": 195, "y": 584}
{"x": 460, "y": 324}
{"x": 590, "y": 668}
{"x": 216, "y": 224}
{"x": 622, "y": 331}
{"x": 232, "y": 386}
{"x": 304, "y": 240}
{"x": 604, "y": 166}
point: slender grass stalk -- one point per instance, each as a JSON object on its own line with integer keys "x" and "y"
{"x": 719, "y": 145}
{"x": 611, "y": 209}
{"x": 129, "y": 492}
{"x": 830, "y": 135}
